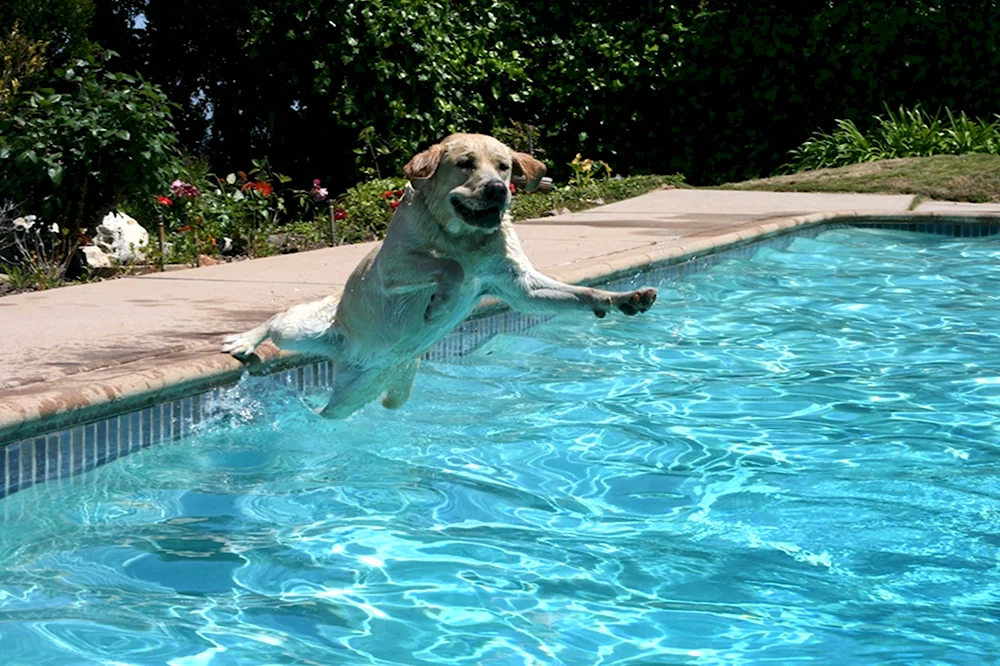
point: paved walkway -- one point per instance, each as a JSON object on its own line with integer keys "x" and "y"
{"x": 87, "y": 335}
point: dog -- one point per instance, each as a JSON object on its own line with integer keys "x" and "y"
{"x": 450, "y": 242}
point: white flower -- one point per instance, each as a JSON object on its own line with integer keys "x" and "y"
{"x": 54, "y": 228}
{"x": 25, "y": 222}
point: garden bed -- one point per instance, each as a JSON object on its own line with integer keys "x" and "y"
{"x": 362, "y": 214}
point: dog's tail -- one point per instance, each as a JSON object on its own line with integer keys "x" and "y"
{"x": 242, "y": 345}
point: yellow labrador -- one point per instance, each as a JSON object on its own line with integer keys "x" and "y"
{"x": 450, "y": 242}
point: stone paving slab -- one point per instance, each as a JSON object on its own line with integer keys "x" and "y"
{"x": 85, "y": 336}
{"x": 945, "y": 207}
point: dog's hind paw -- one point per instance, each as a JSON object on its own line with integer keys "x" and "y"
{"x": 239, "y": 345}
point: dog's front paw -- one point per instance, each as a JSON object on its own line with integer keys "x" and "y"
{"x": 637, "y": 301}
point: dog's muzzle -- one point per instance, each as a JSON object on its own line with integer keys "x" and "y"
{"x": 486, "y": 212}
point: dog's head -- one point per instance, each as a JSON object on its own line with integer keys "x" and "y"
{"x": 465, "y": 180}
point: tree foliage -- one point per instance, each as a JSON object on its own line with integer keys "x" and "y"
{"x": 717, "y": 89}
{"x": 63, "y": 24}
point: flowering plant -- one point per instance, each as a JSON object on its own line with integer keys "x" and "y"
{"x": 585, "y": 169}
{"x": 210, "y": 215}
{"x": 394, "y": 197}
{"x": 319, "y": 194}
{"x": 41, "y": 252}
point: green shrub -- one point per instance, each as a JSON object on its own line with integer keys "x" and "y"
{"x": 580, "y": 197}
{"x": 204, "y": 213}
{"x": 905, "y": 133}
{"x": 366, "y": 209}
{"x": 95, "y": 139}
{"x": 368, "y": 205}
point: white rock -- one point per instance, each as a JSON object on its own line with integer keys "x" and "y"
{"x": 121, "y": 237}
{"x": 95, "y": 258}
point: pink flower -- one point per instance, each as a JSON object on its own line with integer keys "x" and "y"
{"x": 182, "y": 189}
{"x": 319, "y": 193}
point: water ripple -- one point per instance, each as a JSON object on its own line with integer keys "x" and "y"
{"x": 791, "y": 457}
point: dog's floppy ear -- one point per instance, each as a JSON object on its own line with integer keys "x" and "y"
{"x": 423, "y": 165}
{"x": 532, "y": 169}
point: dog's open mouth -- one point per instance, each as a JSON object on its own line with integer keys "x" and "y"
{"x": 486, "y": 218}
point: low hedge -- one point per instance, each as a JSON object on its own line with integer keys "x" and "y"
{"x": 581, "y": 197}
{"x": 366, "y": 208}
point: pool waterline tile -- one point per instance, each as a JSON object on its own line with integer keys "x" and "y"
{"x": 68, "y": 452}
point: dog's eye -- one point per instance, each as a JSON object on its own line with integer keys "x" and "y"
{"x": 504, "y": 167}
{"x": 466, "y": 163}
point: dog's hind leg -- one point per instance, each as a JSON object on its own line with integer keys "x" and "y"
{"x": 402, "y": 385}
{"x": 308, "y": 328}
{"x": 353, "y": 388}
{"x": 243, "y": 344}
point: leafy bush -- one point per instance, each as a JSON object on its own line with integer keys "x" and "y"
{"x": 73, "y": 152}
{"x": 366, "y": 208}
{"x": 208, "y": 215}
{"x": 905, "y": 133}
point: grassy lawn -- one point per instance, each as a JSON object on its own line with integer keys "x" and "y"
{"x": 974, "y": 178}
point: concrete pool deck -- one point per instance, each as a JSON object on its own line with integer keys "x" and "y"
{"x": 84, "y": 346}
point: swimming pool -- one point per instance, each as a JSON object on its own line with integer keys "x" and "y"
{"x": 792, "y": 457}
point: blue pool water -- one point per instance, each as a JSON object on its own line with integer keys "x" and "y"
{"x": 792, "y": 458}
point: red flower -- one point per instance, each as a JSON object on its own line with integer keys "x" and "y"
{"x": 398, "y": 193}
{"x": 394, "y": 204}
{"x": 186, "y": 227}
{"x": 387, "y": 194}
{"x": 165, "y": 201}
{"x": 263, "y": 187}
{"x": 340, "y": 214}
{"x": 512, "y": 188}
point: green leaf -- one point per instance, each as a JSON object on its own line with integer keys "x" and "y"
{"x": 56, "y": 175}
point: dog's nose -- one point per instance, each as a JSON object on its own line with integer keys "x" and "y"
{"x": 495, "y": 190}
